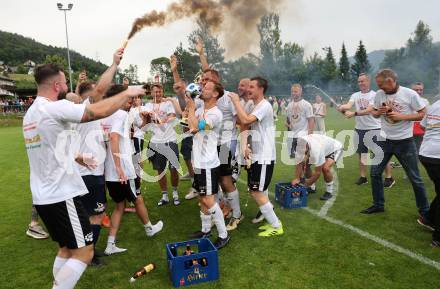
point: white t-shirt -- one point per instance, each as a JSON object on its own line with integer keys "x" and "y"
{"x": 164, "y": 132}
{"x": 134, "y": 115}
{"x": 54, "y": 176}
{"x": 263, "y": 134}
{"x": 248, "y": 106}
{"x": 361, "y": 101}
{"x": 205, "y": 154}
{"x": 90, "y": 141}
{"x": 431, "y": 140}
{"x": 320, "y": 146}
{"x": 298, "y": 114}
{"x": 318, "y": 109}
{"x": 228, "y": 130}
{"x": 119, "y": 123}
{"x": 404, "y": 101}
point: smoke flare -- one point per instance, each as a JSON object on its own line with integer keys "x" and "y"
{"x": 234, "y": 20}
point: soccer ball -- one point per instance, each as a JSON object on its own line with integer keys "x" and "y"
{"x": 193, "y": 90}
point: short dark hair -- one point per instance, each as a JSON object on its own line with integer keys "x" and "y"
{"x": 261, "y": 82}
{"x": 387, "y": 73}
{"x": 85, "y": 86}
{"x": 115, "y": 89}
{"x": 219, "y": 88}
{"x": 212, "y": 71}
{"x": 45, "y": 71}
{"x": 157, "y": 85}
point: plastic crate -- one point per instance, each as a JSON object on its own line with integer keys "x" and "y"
{"x": 290, "y": 197}
{"x": 201, "y": 266}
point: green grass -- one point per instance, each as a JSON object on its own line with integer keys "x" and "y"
{"x": 311, "y": 254}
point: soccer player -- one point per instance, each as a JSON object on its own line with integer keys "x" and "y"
{"x": 418, "y": 132}
{"x": 398, "y": 107}
{"x": 34, "y": 229}
{"x": 430, "y": 158}
{"x": 366, "y": 125}
{"x": 163, "y": 149}
{"x": 263, "y": 151}
{"x": 227, "y": 142}
{"x": 55, "y": 180}
{"x": 320, "y": 111}
{"x": 300, "y": 118}
{"x": 322, "y": 152}
{"x": 120, "y": 173}
{"x": 90, "y": 142}
{"x": 205, "y": 124}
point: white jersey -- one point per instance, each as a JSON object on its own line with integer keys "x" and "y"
{"x": 163, "y": 132}
{"x": 205, "y": 154}
{"x": 320, "y": 146}
{"x": 431, "y": 122}
{"x": 228, "y": 130}
{"x": 298, "y": 114}
{"x": 119, "y": 123}
{"x": 404, "y": 101}
{"x": 362, "y": 101}
{"x": 319, "y": 109}
{"x": 263, "y": 134}
{"x": 135, "y": 117}
{"x": 54, "y": 176}
{"x": 90, "y": 142}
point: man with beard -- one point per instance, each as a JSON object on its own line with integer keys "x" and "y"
{"x": 55, "y": 180}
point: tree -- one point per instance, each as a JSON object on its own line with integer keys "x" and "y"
{"x": 59, "y": 60}
{"x": 238, "y": 69}
{"x": 161, "y": 66}
{"x": 344, "y": 66}
{"x": 187, "y": 64}
{"x": 21, "y": 69}
{"x": 270, "y": 40}
{"x": 131, "y": 72}
{"x": 421, "y": 44}
{"x": 214, "y": 52}
{"x": 329, "y": 69}
{"x": 361, "y": 64}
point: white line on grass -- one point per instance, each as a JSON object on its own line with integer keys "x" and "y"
{"x": 329, "y": 203}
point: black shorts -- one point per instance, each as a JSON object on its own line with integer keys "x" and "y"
{"x": 259, "y": 176}
{"x": 362, "y": 147}
{"x": 138, "y": 145}
{"x": 206, "y": 181}
{"x": 96, "y": 200}
{"x": 121, "y": 192}
{"x": 67, "y": 222}
{"x": 225, "y": 156}
{"x": 160, "y": 154}
{"x": 186, "y": 147}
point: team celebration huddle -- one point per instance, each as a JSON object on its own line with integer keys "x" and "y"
{"x": 98, "y": 153}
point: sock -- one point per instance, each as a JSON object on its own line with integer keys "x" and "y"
{"x": 329, "y": 187}
{"x": 57, "y": 264}
{"x": 175, "y": 193}
{"x": 234, "y": 201}
{"x": 69, "y": 274}
{"x": 269, "y": 215}
{"x": 165, "y": 196}
{"x": 219, "y": 221}
{"x": 96, "y": 229}
{"x": 206, "y": 222}
{"x": 148, "y": 225}
{"x": 111, "y": 240}
{"x": 266, "y": 193}
{"x": 313, "y": 186}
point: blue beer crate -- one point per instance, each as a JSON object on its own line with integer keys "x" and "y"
{"x": 200, "y": 266}
{"x": 290, "y": 197}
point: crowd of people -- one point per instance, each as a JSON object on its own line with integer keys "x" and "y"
{"x": 222, "y": 134}
{"x": 14, "y": 105}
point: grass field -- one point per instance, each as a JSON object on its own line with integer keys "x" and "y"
{"x": 313, "y": 253}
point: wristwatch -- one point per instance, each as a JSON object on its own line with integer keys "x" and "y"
{"x": 355, "y": 113}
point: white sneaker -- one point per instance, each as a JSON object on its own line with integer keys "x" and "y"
{"x": 37, "y": 232}
{"x": 191, "y": 194}
{"x": 185, "y": 177}
{"x": 112, "y": 249}
{"x": 153, "y": 230}
{"x": 233, "y": 223}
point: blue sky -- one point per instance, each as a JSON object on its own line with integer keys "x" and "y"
{"x": 98, "y": 27}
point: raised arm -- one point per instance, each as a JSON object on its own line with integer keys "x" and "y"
{"x": 173, "y": 64}
{"x": 81, "y": 78}
{"x": 245, "y": 119}
{"x": 107, "y": 77}
{"x": 110, "y": 105}
{"x": 201, "y": 51}
{"x": 192, "y": 120}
